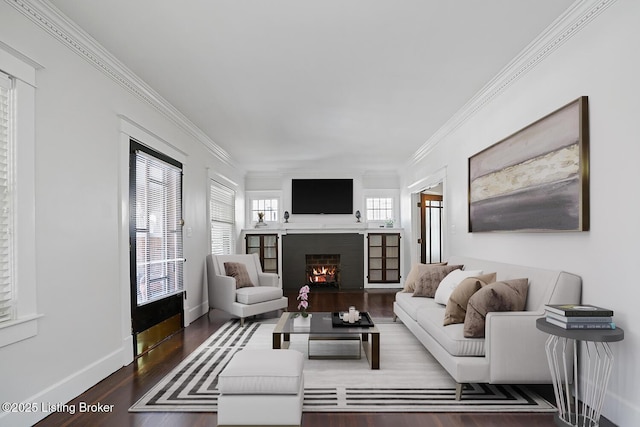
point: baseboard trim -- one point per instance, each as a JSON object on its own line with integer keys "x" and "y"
{"x": 196, "y": 312}
{"x": 383, "y": 286}
{"x": 64, "y": 391}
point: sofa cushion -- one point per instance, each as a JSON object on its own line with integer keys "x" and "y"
{"x": 257, "y": 294}
{"x": 510, "y": 295}
{"x": 262, "y": 371}
{"x": 417, "y": 270}
{"x": 238, "y": 271}
{"x": 457, "y": 305}
{"x": 412, "y": 305}
{"x": 449, "y": 283}
{"x": 451, "y": 337}
{"x": 428, "y": 282}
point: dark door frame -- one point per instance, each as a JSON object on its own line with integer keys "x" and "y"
{"x": 425, "y": 199}
{"x": 146, "y": 316}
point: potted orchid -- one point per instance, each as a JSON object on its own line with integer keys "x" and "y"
{"x": 303, "y": 297}
{"x": 303, "y": 319}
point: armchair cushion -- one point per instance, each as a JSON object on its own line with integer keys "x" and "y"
{"x": 256, "y": 294}
{"x": 238, "y": 271}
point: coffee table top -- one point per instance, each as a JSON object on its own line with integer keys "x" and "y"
{"x": 320, "y": 324}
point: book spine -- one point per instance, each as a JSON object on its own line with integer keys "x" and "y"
{"x": 596, "y": 325}
{"x": 579, "y": 313}
{"x": 579, "y": 319}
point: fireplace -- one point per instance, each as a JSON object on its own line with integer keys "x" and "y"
{"x": 348, "y": 248}
{"x": 322, "y": 270}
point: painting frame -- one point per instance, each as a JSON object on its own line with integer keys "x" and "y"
{"x": 536, "y": 179}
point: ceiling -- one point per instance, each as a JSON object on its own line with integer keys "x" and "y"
{"x": 336, "y": 85}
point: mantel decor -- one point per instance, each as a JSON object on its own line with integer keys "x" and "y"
{"x": 537, "y": 179}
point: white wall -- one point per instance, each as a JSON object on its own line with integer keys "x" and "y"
{"x": 602, "y": 62}
{"x": 79, "y": 168}
{"x": 364, "y": 184}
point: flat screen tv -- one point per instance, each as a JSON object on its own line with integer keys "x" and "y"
{"x": 322, "y": 196}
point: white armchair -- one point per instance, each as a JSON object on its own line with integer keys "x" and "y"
{"x": 243, "y": 302}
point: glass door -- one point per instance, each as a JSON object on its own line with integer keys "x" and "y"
{"x": 431, "y": 228}
{"x": 156, "y": 246}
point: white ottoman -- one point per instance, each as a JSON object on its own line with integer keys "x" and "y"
{"x": 261, "y": 387}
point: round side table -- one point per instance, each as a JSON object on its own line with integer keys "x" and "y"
{"x": 597, "y": 361}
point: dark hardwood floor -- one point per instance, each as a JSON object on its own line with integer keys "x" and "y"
{"x": 127, "y": 385}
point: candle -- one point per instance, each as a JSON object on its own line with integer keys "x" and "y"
{"x": 352, "y": 314}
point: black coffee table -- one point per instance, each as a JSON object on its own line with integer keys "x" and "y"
{"x": 322, "y": 325}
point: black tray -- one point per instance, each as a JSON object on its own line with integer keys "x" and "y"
{"x": 364, "y": 322}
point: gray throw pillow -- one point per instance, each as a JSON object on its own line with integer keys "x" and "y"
{"x": 509, "y": 295}
{"x": 416, "y": 271}
{"x": 428, "y": 282}
{"x": 457, "y": 305}
{"x": 238, "y": 271}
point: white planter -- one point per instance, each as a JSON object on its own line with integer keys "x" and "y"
{"x": 302, "y": 322}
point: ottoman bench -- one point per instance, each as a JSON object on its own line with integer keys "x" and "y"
{"x": 261, "y": 387}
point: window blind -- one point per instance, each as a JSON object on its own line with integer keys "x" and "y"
{"x": 158, "y": 219}
{"x": 222, "y": 211}
{"x": 6, "y": 205}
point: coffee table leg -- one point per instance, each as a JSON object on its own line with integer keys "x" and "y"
{"x": 375, "y": 350}
{"x": 372, "y": 349}
{"x": 281, "y": 340}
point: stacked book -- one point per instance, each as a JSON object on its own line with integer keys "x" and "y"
{"x": 576, "y": 316}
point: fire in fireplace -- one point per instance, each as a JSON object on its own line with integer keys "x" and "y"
{"x": 323, "y": 270}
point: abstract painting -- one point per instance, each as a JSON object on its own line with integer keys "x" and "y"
{"x": 536, "y": 179}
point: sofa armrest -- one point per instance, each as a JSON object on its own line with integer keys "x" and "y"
{"x": 515, "y": 348}
{"x": 267, "y": 279}
{"x": 222, "y": 292}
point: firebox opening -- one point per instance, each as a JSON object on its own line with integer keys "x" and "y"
{"x": 323, "y": 270}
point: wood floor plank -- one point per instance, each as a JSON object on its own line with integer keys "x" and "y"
{"x": 128, "y": 384}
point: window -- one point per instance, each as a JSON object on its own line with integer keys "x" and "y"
{"x": 18, "y": 285}
{"x": 158, "y": 225}
{"x": 6, "y": 204}
{"x": 222, "y": 212}
{"x": 379, "y": 208}
{"x": 267, "y": 206}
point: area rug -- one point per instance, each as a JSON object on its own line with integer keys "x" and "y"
{"x": 409, "y": 378}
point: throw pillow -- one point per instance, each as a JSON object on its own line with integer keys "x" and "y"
{"x": 428, "y": 282}
{"x": 416, "y": 271}
{"x": 457, "y": 304}
{"x": 510, "y": 295}
{"x": 449, "y": 283}
{"x": 238, "y": 271}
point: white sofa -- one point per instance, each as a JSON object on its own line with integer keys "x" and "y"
{"x": 513, "y": 350}
{"x": 266, "y": 295}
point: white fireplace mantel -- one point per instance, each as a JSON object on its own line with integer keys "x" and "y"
{"x": 316, "y": 228}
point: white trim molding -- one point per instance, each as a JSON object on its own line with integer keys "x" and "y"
{"x": 572, "y": 21}
{"x": 25, "y": 323}
{"x": 48, "y": 17}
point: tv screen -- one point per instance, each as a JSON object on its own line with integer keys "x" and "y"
{"x": 322, "y": 196}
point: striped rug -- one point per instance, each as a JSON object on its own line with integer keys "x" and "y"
{"x": 409, "y": 379}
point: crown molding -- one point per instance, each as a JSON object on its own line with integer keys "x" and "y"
{"x": 49, "y": 18}
{"x": 572, "y": 21}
